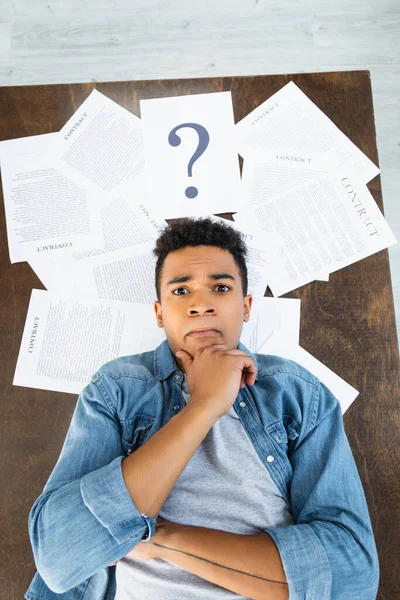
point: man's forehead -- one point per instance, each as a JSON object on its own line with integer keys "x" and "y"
{"x": 191, "y": 259}
{"x": 198, "y": 256}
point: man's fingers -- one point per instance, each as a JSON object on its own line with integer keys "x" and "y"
{"x": 185, "y": 359}
{"x": 243, "y": 380}
{"x": 249, "y": 372}
{"x": 250, "y": 377}
{"x": 248, "y": 366}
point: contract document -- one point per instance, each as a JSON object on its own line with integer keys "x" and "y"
{"x": 126, "y": 275}
{"x": 66, "y": 339}
{"x": 192, "y": 167}
{"x": 103, "y": 142}
{"x": 290, "y": 119}
{"x": 48, "y": 209}
{"x": 126, "y": 222}
{"x": 325, "y": 225}
{"x": 247, "y": 221}
{"x": 275, "y": 171}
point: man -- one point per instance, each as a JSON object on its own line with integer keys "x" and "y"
{"x": 200, "y": 470}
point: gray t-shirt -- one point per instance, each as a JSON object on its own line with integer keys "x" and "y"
{"x": 224, "y": 486}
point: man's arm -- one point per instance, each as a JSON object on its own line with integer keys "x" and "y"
{"x": 248, "y": 565}
{"x": 151, "y": 472}
{"x": 214, "y": 377}
{"x": 328, "y": 553}
{"x": 84, "y": 518}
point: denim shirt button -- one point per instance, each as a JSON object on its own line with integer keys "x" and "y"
{"x": 129, "y": 451}
{"x": 270, "y": 458}
{"x": 177, "y": 377}
{"x": 176, "y": 406}
{"x": 242, "y": 404}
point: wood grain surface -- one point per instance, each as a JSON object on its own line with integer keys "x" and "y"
{"x": 348, "y": 323}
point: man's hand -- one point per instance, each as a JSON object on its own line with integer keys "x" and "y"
{"x": 148, "y": 550}
{"x": 215, "y": 375}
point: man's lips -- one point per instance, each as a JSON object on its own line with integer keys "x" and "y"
{"x": 203, "y": 332}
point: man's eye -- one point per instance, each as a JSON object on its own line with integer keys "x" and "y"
{"x": 182, "y": 291}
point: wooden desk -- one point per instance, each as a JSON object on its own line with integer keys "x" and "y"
{"x": 347, "y": 323}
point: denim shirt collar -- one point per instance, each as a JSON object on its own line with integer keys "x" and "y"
{"x": 165, "y": 363}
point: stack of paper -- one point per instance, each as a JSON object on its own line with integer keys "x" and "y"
{"x": 305, "y": 187}
{"x": 85, "y": 205}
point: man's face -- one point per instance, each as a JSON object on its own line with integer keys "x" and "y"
{"x": 201, "y": 288}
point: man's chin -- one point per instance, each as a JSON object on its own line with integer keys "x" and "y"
{"x": 203, "y": 342}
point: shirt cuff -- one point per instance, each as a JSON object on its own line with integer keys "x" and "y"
{"x": 105, "y": 494}
{"x": 306, "y": 565}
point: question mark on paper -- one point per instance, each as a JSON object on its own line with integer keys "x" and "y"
{"x": 204, "y": 139}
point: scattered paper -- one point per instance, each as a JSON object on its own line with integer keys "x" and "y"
{"x": 47, "y": 210}
{"x": 66, "y": 339}
{"x": 290, "y": 119}
{"x": 127, "y": 274}
{"x": 322, "y": 226}
{"x": 85, "y": 205}
{"x": 126, "y": 224}
{"x": 33, "y": 144}
{"x": 247, "y": 221}
{"x": 103, "y": 142}
{"x": 271, "y": 172}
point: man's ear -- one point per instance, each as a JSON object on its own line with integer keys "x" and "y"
{"x": 158, "y": 311}
{"x": 247, "y": 307}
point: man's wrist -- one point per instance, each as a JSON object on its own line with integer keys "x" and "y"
{"x": 164, "y": 539}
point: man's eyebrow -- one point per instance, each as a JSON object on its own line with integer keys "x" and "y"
{"x": 214, "y": 276}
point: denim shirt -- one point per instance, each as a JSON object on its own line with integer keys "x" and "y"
{"x": 85, "y": 519}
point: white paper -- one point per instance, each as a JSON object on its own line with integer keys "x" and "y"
{"x": 269, "y": 317}
{"x": 27, "y": 145}
{"x": 55, "y": 274}
{"x": 127, "y": 275}
{"x": 247, "y": 221}
{"x": 257, "y": 260}
{"x": 103, "y": 142}
{"x": 290, "y": 119}
{"x": 47, "y": 210}
{"x": 342, "y": 390}
{"x": 66, "y": 339}
{"x": 127, "y": 223}
{"x": 271, "y": 172}
{"x": 214, "y": 177}
{"x": 325, "y": 225}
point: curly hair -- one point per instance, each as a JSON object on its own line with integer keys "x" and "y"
{"x": 200, "y": 232}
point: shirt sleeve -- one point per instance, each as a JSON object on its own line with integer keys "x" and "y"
{"x": 330, "y": 552}
{"x": 85, "y": 519}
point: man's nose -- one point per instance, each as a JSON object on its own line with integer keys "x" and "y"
{"x": 201, "y": 305}
{"x": 201, "y": 311}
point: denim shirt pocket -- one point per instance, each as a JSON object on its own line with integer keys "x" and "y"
{"x": 135, "y": 432}
{"x": 284, "y": 432}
